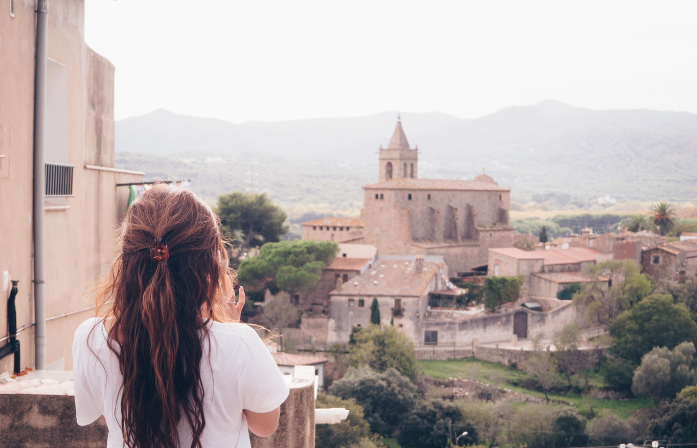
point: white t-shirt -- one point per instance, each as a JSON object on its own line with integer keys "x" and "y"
{"x": 241, "y": 375}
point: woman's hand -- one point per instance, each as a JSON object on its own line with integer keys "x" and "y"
{"x": 235, "y": 309}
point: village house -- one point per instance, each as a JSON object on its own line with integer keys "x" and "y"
{"x": 56, "y": 236}
{"x": 338, "y": 229}
{"x": 400, "y": 283}
{"x": 622, "y": 245}
{"x": 672, "y": 261}
{"x": 547, "y": 272}
{"x": 405, "y": 215}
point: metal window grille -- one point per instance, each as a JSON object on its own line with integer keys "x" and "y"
{"x": 430, "y": 338}
{"x": 59, "y": 179}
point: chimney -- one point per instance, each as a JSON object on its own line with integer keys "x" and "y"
{"x": 419, "y": 264}
{"x": 339, "y": 282}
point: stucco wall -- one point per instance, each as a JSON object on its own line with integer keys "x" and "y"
{"x": 80, "y": 238}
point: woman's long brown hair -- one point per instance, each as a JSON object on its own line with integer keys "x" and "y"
{"x": 159, "y": 310}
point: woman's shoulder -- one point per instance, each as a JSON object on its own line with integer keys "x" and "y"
{"x": 233, "y": 330}
{"x": 85, "y": 328}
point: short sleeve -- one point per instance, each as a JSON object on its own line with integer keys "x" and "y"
{"x": 261, "y": 386}
{"x": 87, "y": 407}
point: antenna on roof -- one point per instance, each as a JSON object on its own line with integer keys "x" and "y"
{"x": 398, "y": 117}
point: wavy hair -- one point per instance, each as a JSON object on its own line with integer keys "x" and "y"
{"x": 159, "y": 311}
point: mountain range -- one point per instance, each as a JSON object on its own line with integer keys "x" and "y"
{"x": 548, "y": 147}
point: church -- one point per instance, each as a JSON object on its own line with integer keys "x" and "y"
{"x": 405, "y": 215}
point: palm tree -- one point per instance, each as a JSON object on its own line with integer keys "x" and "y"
{"x": 637, "y": 223}
{"x": 663, "y": 217}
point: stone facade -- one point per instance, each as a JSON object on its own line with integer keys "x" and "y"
{"x": 316, "y": 300}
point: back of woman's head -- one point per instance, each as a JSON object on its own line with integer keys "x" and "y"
{"x": 172, "y": 273}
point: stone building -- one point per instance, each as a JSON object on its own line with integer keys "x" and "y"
{"x": 338, "y": 229}
{"x": 546, "y": 271}
{"x": 672, "y": 261}
{"x": 83, "y": 205}
{"x": 401, "y": 285}
{"x": 405, "y": 215}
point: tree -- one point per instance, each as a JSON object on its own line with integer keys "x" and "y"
{"x": 278, "y": 315}
{"x": 610, "y": 431}
{"x": 637, "y": 223}
{"x": 663, "y": 373}
{"x": 687, "y": 395}
{"x": 383, "y": 348}
{"x": 663, "y": 217}
{"x": 618, "y": 373}
{"x": 567, "y": 353}
{"x": 375, "y": 312}
{"x": 568, "y": 292}
{"x": 293, "y": 265}
{"x": 541, "y": 365}
{"x": 433, "y": 424}
{"x": 351, "y": 433}
{"x": 543, "y": 426}
{"x": 685, "y": 293}
{"x": 251, "y": 220}
{"x": 490, "y": 419}
{"x": 653, "y": 322}
{"x": 386, "y": 398}
{"x": 602, "y": 304}
{"x": 543, "y": 235}
{"x": 499, "y": 290}
{"x": 678, "y": 425}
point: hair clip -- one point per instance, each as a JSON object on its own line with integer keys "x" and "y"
{"x": 160, "y": 252}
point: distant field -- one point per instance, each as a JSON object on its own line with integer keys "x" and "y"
{"x": 471, "y": 367}
{"x": 682, "y": 211}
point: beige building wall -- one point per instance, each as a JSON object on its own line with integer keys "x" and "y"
{"x": 80, "y": 230}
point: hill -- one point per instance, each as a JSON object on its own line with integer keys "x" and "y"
{"x": 322, "y": 163}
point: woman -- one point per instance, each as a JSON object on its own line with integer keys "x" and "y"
{"x": 166, "y": 366}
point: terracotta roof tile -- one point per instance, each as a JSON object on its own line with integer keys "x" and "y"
{"x": 290, "y": 359}
{"x": 393, "y": 278}
{"x": 518, "y": 254}
{"x": 348, "y": 264}
{"x": 345, "y": 221}
{"x": 685, "y": 246}
{"x": 435, "y": 184}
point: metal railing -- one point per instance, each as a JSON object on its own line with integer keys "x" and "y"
{"x": 59, "y": 179}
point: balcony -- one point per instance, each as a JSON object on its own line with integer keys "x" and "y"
{"x": 59, "y": 180}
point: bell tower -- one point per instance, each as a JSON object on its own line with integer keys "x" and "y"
{"x": 398, "y": 161}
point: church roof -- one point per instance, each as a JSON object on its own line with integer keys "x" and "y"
{"x": 435, "y": 184}
{"x": 399, "y": 139}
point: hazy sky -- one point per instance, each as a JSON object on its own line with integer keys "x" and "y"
{"x": 291, "y": 59}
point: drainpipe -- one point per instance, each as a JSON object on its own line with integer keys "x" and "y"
{"x": 40, "y": 182}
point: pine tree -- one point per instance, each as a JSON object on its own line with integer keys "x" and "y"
{"x": 375, "y": 312}
{"x": 543, "y": 235}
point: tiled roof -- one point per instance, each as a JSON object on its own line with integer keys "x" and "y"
{"x": 390, "y": 278}
{"x": 435, "y": 184}
{"x": 399, "y": 138}
{"x": 685, "y": 246}
{"x": 565, "y": 277}
{"x": 689, "y": 234}
{"x": 348, "y": 264}
{"x": 518, "y": 254}
{"x": 344, "y": 221}
{"x": 289, "y": 359}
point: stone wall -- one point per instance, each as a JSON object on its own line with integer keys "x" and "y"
{"x": 627, "y": 250}
{"x": 665, "y": 269}
{"x": 40, "y": 413}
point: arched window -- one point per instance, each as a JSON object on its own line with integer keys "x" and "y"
{"x": 376, "y": 195}
{"x": 411, "y": 173}
{"x": 405, "y": 170}
{"x": 388, "y": 171}
{"x": 381, "y": 197}
{"x": 410, "y": 196}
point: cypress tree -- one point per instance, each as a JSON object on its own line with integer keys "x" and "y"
{"x": 375, "y": 312}
{"x": 543, "y": 235}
